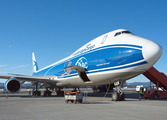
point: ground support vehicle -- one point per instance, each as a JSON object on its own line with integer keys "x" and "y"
{"x": 155, "y": 92}
{"x": 74, "y": 97}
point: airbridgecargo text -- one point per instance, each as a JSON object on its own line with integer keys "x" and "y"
{"x": 84, "y": 50}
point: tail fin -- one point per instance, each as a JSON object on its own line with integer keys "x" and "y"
{"x": 34, "y": 63}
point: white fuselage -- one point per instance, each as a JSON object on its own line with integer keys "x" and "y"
{"x": 114, "y": 56}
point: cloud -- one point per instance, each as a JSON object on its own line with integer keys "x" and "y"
{"x": 3, "y": 65}
{"x": 3, "y": 72}
{"x": 20, "y": 66}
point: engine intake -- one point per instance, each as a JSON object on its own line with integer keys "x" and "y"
{"x": 12, "y": 85}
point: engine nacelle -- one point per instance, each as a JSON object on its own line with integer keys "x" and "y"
{"x": 12, "y": 85}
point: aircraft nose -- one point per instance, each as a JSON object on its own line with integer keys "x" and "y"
{"x": 152, "y": 51}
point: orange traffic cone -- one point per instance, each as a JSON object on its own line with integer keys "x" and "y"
{"x": 6, "y": 96}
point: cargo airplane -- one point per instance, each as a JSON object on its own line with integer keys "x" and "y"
{"x": 111, "y": 58}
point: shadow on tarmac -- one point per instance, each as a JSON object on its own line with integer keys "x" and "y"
{"x": 129, "y": 96}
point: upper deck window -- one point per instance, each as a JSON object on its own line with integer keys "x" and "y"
{"x": 104, "y": 39}
{"x": 122, "y": 32}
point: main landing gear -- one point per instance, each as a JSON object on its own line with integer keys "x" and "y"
{"x": 35, "y": 90}
{"x": 60, "y": 93}
{"x": 47, "y": 92}
{"x": 118, "y": 95}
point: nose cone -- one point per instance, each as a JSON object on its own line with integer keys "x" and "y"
{"x": 152, "y": 51}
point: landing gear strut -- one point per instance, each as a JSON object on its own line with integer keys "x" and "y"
{"x": 118, "y": 95}
{"x": 47, "y": 92}
{"x": 35, "y": 91}
{"x": 60, "y": 93}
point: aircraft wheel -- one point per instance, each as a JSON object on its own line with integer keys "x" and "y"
{"x": 49, "y": 93}
{"x": 80, "y": 101}
{"x": 115, "y": 96}
{"x": 122, "y": 97}
{"x": 60, "y": 93}
{"x": 34, "y": 93}
{"x": 44, "y": 93}
{"x": 38, "y": 93}
{"x": 155, "y": 96}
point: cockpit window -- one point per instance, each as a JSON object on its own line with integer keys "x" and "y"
{"x": 122, "y": 32}
{"x": 118, "y": 33}
{"x": 126, "y": 32}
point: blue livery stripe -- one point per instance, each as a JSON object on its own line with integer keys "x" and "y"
{"x": 96, "y": 59}
{"x": 105, "y": 70}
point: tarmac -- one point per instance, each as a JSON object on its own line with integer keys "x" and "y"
{"x": 22, "y": 106}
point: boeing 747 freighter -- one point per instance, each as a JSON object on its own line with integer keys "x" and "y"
{"x": 111, "y": 58}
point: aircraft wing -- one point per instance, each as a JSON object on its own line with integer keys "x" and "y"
{"x": 33, "y": 79}
{"x": 48, "y": 79}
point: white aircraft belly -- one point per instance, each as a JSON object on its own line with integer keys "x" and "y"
{"x": 104, "y": 77}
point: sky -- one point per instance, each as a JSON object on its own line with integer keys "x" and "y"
{"x": 54, "y": 29}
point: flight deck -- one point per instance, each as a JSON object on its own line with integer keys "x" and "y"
{"x": 22, "y": 106}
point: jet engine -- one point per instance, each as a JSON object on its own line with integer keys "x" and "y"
{"x": 12, "y": 85}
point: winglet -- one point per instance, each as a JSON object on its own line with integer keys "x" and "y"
{"x": 34, "y": 63}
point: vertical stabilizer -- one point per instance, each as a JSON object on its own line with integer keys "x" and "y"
{"x": 34, "y": 63}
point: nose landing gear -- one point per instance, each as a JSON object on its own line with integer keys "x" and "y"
{"x": 118, "y": 95}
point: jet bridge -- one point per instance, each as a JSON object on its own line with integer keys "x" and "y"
{"x": 158, "y": 78}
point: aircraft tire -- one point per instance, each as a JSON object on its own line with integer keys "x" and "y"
{"x": 45, "y": 94}
{"x": 49, "y": 93}
{"x": 80, "y": 101}
{"x": 122, "y": 97}
{"x": 115, "y": 96}
{"x": 34, "y": 93}
{"x": 38, "y": 93}
{"x": 155, "y": 96}
{"x": 60, "y": 93}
